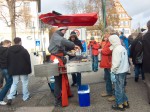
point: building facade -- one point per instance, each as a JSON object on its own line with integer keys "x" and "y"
{"x": 27, "y": 25}
{"x": 124, "y": 19}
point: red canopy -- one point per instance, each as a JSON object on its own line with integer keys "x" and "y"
{"x": 86, "y": 19}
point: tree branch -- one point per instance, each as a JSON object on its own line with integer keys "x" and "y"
{"x": 6, "y": 21}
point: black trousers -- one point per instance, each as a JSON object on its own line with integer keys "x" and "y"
{"x": 147, "y": 79}
{"x": 58, "y": 87}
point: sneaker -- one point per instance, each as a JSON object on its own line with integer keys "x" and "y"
{"x": 104, "y": 94}
{"x": 136, "y": 79}
{"x": 9, "y": 102}
{"x": 117, "y": 107}
{"x": 112, "y": 98}
{"x": 126, "y": 105}
{"x": 57, "y": 103}
{"x": 28, "y": 98}
{"x": 2, "y": 103}
{"x": 73, "y": 84}
{"x": 16, "y": 94}
{"x": 71, "y": 96}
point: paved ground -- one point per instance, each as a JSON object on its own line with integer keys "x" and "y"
{"x": 42, "y": 99}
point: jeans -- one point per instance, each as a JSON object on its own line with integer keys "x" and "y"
{"x": 76, "y": 78}
{"x": 138, "y": 70}
{"x": 120, "y": 88}
{"x": 109, "y": 89}
{"x": 9, "y": 80}
{"x": 1, "y": 77}
{"x": 95, "y": 63}
{"x": 24, "y": 80}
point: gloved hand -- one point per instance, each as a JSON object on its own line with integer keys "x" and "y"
{"x": 113, "y": 78}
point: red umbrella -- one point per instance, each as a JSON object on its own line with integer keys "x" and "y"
{"x": 86, "y": 19}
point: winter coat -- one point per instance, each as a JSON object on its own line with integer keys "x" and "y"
{"x": 58, "y": 43}
{"x": 18, "y": 61}
{"x": 120, "y": 62}
{"x": 136, "y": 48}
{"x": 76, "y": 42}
{"x": 3, "y": 57}
{"x": 146, "y": 52}
{"x": 94, "y": 47}
{"x": 106, "y": 56}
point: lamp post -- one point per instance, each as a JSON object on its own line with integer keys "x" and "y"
{"x": 33, "y": 27}
{"x": 104, "y": 14}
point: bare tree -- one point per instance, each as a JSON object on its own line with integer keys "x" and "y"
{"x": 88, "y": 6}
{"x": 112, "y": 14}
{"x": 11, "y": 14}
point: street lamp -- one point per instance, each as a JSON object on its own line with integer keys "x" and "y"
{"x": 33, "y": 27}
{"x": 104, "y": 13}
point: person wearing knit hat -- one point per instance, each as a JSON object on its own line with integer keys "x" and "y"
{"x": 76, "y": 77}
{"x": 63, "y": 28}
{"x": 146, "y": 62}
{"x": 57, "y": 50}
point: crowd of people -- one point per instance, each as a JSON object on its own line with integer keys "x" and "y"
{"x": 116, "y": 53}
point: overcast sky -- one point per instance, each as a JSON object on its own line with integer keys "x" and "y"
{"x": 139, "y": 10}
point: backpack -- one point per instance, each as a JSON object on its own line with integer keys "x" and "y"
{"x": 139, "y": 50}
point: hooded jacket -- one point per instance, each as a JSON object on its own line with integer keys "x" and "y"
{"x": 3, "y": 57}
{"x": 58, "y": 43}
{"x": 94, "y": 47}
{"x": 120, "y": 62}
{"x": 18, "y": 61}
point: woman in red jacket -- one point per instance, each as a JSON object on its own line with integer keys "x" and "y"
{"x": 106, "y": 57}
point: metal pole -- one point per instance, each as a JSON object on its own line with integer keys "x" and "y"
{"x": 34, "y": 36}
{"x": 104, "y": 14}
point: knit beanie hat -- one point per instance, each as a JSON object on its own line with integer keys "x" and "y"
{"x": 73, "y": 34}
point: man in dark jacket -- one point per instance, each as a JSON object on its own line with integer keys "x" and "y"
{"x": 76, "y": 77}
{"x": 19, "y": 66}
{"x": 3, "y": 66}
{"x": 146, "y": 56}
{"x": 57, "y": 51}
{"x": 136, "y": 53}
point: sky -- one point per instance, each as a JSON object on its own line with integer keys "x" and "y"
{"x": 138, "y": 9}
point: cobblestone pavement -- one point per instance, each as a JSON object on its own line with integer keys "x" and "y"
{"x": 42, "y": 99}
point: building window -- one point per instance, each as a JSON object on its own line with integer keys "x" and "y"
{"x": 126, "y": 23}
{"x": 27, "y": 6}
{"x": 121, "y": 23}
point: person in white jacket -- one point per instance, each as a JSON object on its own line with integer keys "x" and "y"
{"x": 120, "y": 67}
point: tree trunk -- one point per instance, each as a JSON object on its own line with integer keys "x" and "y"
{"x": 11, "y": 7}
{"x": 13, "y": 32}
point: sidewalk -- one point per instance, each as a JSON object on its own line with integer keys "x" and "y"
{"x": 42, "y": 99}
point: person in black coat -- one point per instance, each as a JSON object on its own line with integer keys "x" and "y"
{"x": 19, "y": 66}
{"x": 4, "y": 70}
{"x": 146, "y": 56}
{"x": 136, "y": 53}
{"x": 76, "y": 77}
